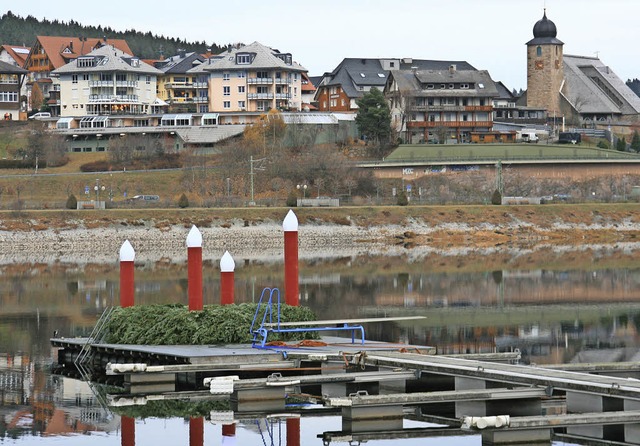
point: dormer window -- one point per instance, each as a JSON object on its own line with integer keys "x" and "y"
{"x": 430, "y": 86}
{"x": 243, "y": 58}
{"x": 135, "y": 62}
{"x": 84, "y": 62}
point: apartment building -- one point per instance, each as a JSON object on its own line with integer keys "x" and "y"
{"x": 440, "y": 105}
{"x": 182, "y": 91}
{"x": 52, "y": 52}
{"x": 105, "y": 82}
{"x": 252, "y": 78}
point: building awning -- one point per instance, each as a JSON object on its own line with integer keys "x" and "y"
{"x": 64, "y": 121}
{"x": 210, "y": 116}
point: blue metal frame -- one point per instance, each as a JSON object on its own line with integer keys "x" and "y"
{"x": 261, "y": 332}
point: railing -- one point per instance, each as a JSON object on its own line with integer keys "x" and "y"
{"x": 438, "y": 108}
{"x": 283, "y": 96}
{"x": 200, "y": 85}
{"x": 471, "y": 108}
{"x": 8, "y": 81}
{"x": 434, "y": 124}
{"x": 283, "y": 81}
{"x": 260, "y": 96}
{"x": 259, "y": 80}
{"x": 133, "y": 84}
{"x": 100, "y": 83}
{"x": 179, "y": 85}
{"x": 113, "y": 98}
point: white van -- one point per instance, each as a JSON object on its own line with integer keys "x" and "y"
{"x": 40, "y": 115}
{"x": 529, "y": 136}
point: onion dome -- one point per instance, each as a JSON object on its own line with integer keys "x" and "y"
{"x": 544, "y": 28}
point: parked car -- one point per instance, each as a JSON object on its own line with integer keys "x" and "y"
{"x": 40, "y": 115}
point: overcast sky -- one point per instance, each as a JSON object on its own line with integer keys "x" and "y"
{"x": 489, "y": 34}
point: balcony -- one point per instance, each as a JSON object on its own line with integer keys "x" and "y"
{"x": 259, "y": 80}
{"x": 200, "y": 85}
{"x": 479, "y": 108}
{"x": 110, "y": 98}
{"x": 101, "y": 83}
{"x": 203, "y": 100}
{"x": 283, "y": 96}
{"x": 464, "y": 124}
{"x": 8, "y": 81}
{"x": 283, "y": 81}
{"x": 438, "y": 108}
{"x": 173, "y": 85}
{"x": 131, "y": 84}
{"x": 253, "y": 96}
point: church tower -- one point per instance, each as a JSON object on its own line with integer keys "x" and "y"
{"x": 544, "y": 67}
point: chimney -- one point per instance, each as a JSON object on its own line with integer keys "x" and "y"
{"x": 71, "y": 45}
{"x": 452, "y": 68}
{"x": 182, "y": 53}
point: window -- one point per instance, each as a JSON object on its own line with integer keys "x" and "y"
{"x": 243, "y": 59}
{"x": 74, "y": 78}
{"x": 242, "y": 74}
{"x": 262, "y": 74}
{"x": 85, "y": 77}
{"x": 148, "y": 79}
{"x": 451, "y": 86}
{"x": 443, "y": 86}
{"x": 392, "y": 64}
{"x": 226, "y": 76}
{"x": 539, "y": 51}
{"x": 333, "y": 102}
{"x": 226, "y": 90}
{"x": 430, "y": 86}
{"x": 464, "y": 86}
{"x": 9, "y": 96}
{"x": 226, "y": 104}
{"x": 241, "y": 104}
{"x": 241, "y": 89}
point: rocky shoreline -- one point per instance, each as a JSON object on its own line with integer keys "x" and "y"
{"x": 80, "y": 243}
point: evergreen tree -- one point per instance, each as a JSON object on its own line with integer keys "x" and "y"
{"x": 72, "y": 202}
{"x": 374, "y": 118}
{"x": 635, "y": 142}
{"x": 621, "y": 144}
{"x": 183, "y": 202}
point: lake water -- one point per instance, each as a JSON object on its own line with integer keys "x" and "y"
{"x": 580, "y": 311}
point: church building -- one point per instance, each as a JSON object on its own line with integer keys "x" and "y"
{"x": 580, "y": 89}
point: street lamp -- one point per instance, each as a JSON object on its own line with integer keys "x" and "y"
{"x": 304, "y": 189}
{"x": 98, "y": 188}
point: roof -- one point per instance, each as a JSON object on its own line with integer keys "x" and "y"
{"x": 180, "y": 63}
{"x": 109, "y": 58}
{"x": 352, "y": 73}
{"x": 261, "y": 57}
{"x": 11, "y": 69}
{"x": 416, "y": 80}
{"x": 17, "y": 53}
{"x": 206, "y": 135}
{"x": 592, "y": 87}
{"x": 61, "y": 50}
{"x": 504, "y": 92}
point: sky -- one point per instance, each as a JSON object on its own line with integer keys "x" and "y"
{"x": 489, "y": 34}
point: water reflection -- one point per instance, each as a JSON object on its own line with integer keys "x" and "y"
{"x": 552, "y": 315}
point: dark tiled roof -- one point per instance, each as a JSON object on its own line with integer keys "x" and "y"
{"x": 8, "y": 68}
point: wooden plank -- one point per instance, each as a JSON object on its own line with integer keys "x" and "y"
{"x": 342, "y": 321}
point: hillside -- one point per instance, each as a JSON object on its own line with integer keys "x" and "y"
{"x": 16, "y": 30}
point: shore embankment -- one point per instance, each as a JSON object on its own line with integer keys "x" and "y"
{"x": 86, "y": 237}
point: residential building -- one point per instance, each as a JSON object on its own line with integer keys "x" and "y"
{"x": 14, "y": 54}
{"x": 579, "y": 90}
{"x": 107, "y": 81}
{"x": 11, "y": 80}
{"x": 52, "y": 52}
{"x": 308, "y": 93}
{"x": 182, "y": 91}
{"x": 440, "y": 104}
{"x": 252, "y": 78}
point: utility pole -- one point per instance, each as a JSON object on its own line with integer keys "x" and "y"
{"x": 499, "y": 180}
{"x": 251, "y": 203}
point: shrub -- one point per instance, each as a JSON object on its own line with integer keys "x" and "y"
{"x": 403, "y": 200}
{"x": 292, "y": 199}
{"x": 72, "y": 202}
{"x": 183, "y": 202}
{"x": 496, "y": 198}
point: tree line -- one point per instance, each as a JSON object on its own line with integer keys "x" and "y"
{"x": 16, "y": 30}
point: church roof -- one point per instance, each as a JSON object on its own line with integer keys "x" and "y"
{"x": 545, "y": 32}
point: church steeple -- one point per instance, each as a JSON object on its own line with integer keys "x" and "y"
{"x": 545, "y": 67}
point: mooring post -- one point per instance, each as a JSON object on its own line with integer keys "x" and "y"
{"x": 293, "y": 432}
{"x": 128, "y": 431}
{"x": 290, "y": 226}
{"x": 196, "y": 431}
{"x": 127, "y": 285}
{"x": 228, "y": 434}
{"x": 194, "y": 273}
{"x": 227, "y": 268}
